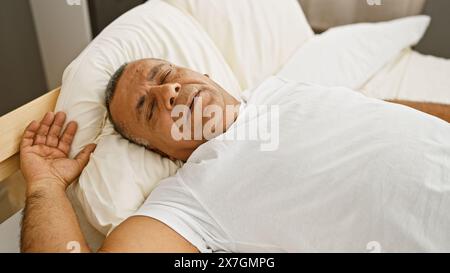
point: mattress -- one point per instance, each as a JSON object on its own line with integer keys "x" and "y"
{"x": 412, "y": 76}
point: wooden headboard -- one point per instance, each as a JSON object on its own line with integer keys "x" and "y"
{"x": 12, "y": 126}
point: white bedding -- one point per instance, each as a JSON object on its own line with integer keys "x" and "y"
{"x": 350, "y": 170}
{"x": 412, "y": 76}
{"x": 350, "y": 55}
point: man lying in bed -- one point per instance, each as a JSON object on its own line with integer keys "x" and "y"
{"x": 327, "y": 169}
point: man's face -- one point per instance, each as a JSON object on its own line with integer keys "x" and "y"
{"x": 146, "y": 95}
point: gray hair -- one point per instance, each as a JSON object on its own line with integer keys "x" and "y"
{"x": 109, "y": 95}
{"x": 112, "y": 86}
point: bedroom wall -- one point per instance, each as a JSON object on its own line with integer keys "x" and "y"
{"x": 21, "y": 72}
{"x": 63, "y": 31}
{"x": 437, "y": 39}
{"x": 103, "y": 12}
{"x": 38, "y": 39}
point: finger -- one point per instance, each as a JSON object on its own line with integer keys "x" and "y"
{"x": 67, "y": 137}
{"x": 84, "y": 155}
{"x": 55, "y": 130}
{"x": 29, "y": 133}
{"x": 46, "y": 122}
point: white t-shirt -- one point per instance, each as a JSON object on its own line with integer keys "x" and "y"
{"x": 349, "y": 173}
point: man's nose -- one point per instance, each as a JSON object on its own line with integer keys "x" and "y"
{"x": 167, "y": 94}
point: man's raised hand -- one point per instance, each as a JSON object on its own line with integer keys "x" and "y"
{"x": 44, "y": 152}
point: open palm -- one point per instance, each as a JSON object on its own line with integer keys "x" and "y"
{"x": 44, "y": 151}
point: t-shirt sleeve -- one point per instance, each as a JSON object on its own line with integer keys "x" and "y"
{"x": 173, "y": 204}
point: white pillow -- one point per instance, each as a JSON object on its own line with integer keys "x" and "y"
{"x": 120, "y": 175}
{"x": 350, "y": 55}
{"x": 256, "y": 37}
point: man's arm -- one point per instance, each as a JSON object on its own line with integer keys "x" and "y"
{"x": 49, "y": 222}
{"x": 145, "y": 234}
{"x": 441, "y": 111}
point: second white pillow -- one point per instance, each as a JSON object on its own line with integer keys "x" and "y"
{"x": 350, "y": 55}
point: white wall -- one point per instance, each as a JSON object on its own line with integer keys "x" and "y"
{"x": 63, "y": 31}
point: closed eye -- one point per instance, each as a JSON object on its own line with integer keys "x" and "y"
{"x": 166, "y": 75}
{"x": 140, "y": 102}
{"x": 152, "y": 109}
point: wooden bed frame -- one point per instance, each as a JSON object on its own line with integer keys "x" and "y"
{"x": 12, "y": 126}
